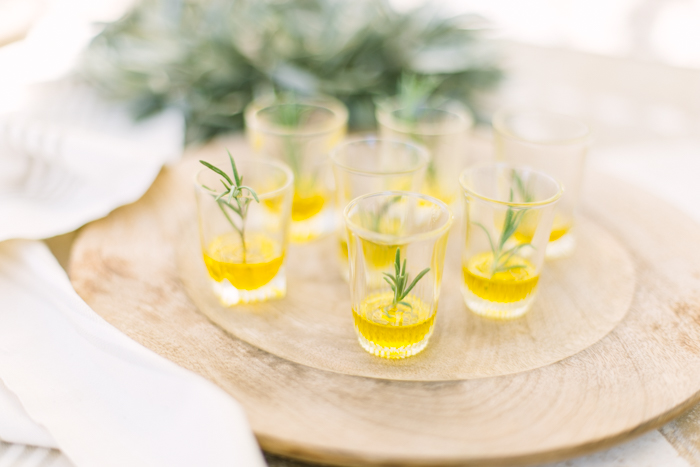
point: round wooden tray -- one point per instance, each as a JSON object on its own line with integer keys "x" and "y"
{"x": 611, "y": 349}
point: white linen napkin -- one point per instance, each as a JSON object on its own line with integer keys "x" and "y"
{"x": 68, "y": 157}
{"x": 16, "y": 426}
{"x": 105, "y": 399}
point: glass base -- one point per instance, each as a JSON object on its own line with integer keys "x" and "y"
{"x": 310, "y": 229}
{"x": 561, "y": 247}
{"x": 229, "y": 295}
{"x": 497, "y": 310}
{"x": 393, "y": 352}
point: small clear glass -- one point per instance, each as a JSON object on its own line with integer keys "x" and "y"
{"x": 444, "y": 131}
{"x": 508, "y": 216}
{"x": 301, "y": 133}
{"x": 371, "y": 165}
{"x": 555, "y": 144}
{"x": 245, "y": 257}
{"x": 396, "y": 321}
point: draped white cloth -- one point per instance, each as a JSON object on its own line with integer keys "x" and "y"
{"x": 104, "y": 399}
{"x": 68, "y": 379}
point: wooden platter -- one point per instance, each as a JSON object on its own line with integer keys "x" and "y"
{"x": 611, "y": 349}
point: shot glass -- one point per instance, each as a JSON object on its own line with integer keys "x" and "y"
{"x": 301, "y": 133}
{"x": 501, "y": 266}
{"x": 372, "y": 165}
{"x": 555, "y": 144}
{"x": 396, "y": 249}
{"x": 444, "y": 131}
{"x": 244, "y": 249}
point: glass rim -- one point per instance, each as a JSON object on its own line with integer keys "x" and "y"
{"x": 390, "y": 238}
{"x": 500, "y": 165}
{"x": 385, "y": 117}
{"x": 420, "y": 150}
{"x": 498, "y": 122}
{"x": 339, "y": 110}
{"x": 266, "y": 195}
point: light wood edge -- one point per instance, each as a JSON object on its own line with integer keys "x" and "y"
{"x": 321, "y": 456}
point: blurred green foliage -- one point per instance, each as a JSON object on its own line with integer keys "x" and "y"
{"x": 211, "y": 57}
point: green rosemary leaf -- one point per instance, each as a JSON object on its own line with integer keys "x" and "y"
{"x": 488, "y": 235}
{"x": 415, "y": 281}
{"x": 233, "y": 224}
{"x": 524, "y": 192}
{"x": 232, "y": 207}
{"x": 233, "y": 168}
{"x": 510, "y": 225}
{"x": 399, "y": 280}
{"x": 251, "y": 191}
{"x": 217, "y": 170}
{"x": 510, "y": 253}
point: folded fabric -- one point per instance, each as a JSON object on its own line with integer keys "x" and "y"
{"x": 105, "y": 399}
{"x": 68, "y": 157}
{"x": 16, "y": 426}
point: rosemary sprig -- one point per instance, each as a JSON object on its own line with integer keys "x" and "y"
{"x": 414, "y": 94}
{"x": 501, "y": 255}
{"x": 375, "y": 219}
{"x": 291, "y": 114}
{"x": 398, "y": 282}
{"x": 233, "y": 197}
{"x": 524, "y": 192}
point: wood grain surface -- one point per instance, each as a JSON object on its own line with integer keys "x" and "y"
{"x": 641, "y": 374}
{"x": 576, "y": 307}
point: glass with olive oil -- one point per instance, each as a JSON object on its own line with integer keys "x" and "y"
{"x": 395, "y": 276}
{"x": 442, "y": 128}
{"x": 555, "y": 144}
{"x": 244, "y": 232}
{"x": 508, "y": 219}
{"x": 301, "y": 132}
{"x": 372, "y": 165}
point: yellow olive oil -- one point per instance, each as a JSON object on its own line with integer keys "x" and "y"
{"x": 377, "y": 255}
{"x": 433, "y": 188}
{"x": 305, "y": 206}
{"x": 526, "y": 229}
{"x": 393, "y": 332}
{"x": 505, "y": 286}
{"x": 344, "y": 250}
{"x": 225, "y": 259}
